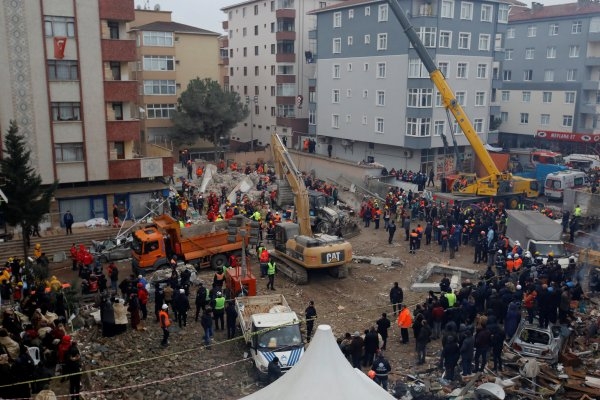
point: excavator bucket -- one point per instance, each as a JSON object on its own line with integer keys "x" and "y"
{"x": 349, "y": 229}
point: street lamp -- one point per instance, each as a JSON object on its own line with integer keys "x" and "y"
{"x": 255, "y": 100}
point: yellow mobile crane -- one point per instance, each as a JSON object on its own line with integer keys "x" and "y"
{"x": 501, "y": 185}
{"x": 296, "y": 248}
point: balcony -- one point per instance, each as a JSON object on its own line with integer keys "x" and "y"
{"x": 137, "y": 168}
{"x": 593, "y": 37}
{"x": 224, "y": 43}
{"x": 224, "y": 60}
{"x": 285, "y": 35}
{"x": 118, "y": 50}
{"x": 120, "y": 91}
{"x": 285, "y": 78}
{"x": 225, "y": 25}
{"x": 289, "y": 100}
{"x": 417, "y": 142}
{"x": 592, "y": 61}
{"x": 285, "y": 57}
{"x": 285, "y": 13}
{"x": 590, "y": 108}
{"x": 296, "y": 124}
{"x": 590, "y": 85}
{"x": 117, "y": 10}
{"x": 123, "y": 131}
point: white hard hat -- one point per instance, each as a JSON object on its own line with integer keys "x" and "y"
{"x": 519, "y": 287}
{"x": 181, "y": 290}
{"x": 517, "y": 255}
{"x": 499, "y": 251}
{"x": 527, "y": 254}
{"x": 219, "y": 293}
{"x": 164, "y": 306}
{"x": 517, "y": 243}
{"x": 509, "y": 256}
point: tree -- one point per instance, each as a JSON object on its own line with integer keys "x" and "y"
{"x": 206, "y": 111}
{"x": 28, "y": 201}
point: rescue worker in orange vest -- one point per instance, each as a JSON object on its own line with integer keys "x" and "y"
{"x": 218, "y": 279}
{"x": 221, "y": 166}
{"x": 405, "y": 321}
{"x": 163, "y": 316}
{"x": 233, "y": 166}
{"x": 419, "y": 230}
{"x": 518, "y": 262}
{"x": 305, "y": 145}
{"x": 414, "y": 237}
{"x": 199, "y": 171}
{"x": 264, "y": 259}
{"x": 510, "y": 263}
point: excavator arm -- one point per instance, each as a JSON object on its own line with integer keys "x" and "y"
{"x": 285, "y": 167}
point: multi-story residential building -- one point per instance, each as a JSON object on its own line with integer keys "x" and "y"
{"x": 374, "y": 98}
{"x": 270, "y": 62}
{"x": 551, "y": 74}
{"x": 66, "y": 80}
{"x": 169, "y": 55}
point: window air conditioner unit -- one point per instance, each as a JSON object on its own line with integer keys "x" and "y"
{"x": 408, "y": 153}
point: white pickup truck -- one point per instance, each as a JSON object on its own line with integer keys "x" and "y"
{"x": 271, "y": 329}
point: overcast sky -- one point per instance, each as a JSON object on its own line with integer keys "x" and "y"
{"x": 207, "y": 14}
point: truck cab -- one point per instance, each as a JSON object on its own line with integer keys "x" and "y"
{"x": 149, "y": 251}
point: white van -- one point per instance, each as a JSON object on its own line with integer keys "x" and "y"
{"x": 557, "y": 182}
{"x": 583, "y": 162}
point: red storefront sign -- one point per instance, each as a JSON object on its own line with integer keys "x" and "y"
{"x": 568, "y": 136}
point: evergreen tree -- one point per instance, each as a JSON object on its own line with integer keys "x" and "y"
{"x": 28, "y": 200}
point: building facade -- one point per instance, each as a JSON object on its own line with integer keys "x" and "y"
{"x": 551, "y": 74}
{"x": 374, "y": 100}
{"x": 270, "y": 59}
{"x": 67, "y": 81}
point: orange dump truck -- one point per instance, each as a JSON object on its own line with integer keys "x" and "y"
{"x": 207, "y": 244}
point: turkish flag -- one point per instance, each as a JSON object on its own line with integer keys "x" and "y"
{"x": 59, "y": 47}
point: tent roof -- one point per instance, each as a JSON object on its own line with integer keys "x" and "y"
{"x": 324, "y": 373}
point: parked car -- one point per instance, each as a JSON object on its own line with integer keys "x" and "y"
{"x": 111, "y": 249}
{"x": 542, "y": 343}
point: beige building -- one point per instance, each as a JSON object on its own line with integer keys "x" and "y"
{"x": 169, "y": 55}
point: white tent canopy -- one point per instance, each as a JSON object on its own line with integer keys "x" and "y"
{"x": 322, "y": 373}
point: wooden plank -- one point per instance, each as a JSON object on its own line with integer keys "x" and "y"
{"x": 583, "y": 389}
{"x": 575, "y": 373}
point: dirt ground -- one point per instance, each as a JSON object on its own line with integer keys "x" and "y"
{"x": 133, "y": 364}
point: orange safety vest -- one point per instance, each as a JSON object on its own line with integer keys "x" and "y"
{"x": 518, "y": 263}
{"x": 164, "y": 316}
{"x": 510, "y": 265}
{"x": 405, "y": 319}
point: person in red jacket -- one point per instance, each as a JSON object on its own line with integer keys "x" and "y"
{"x": 143, "y": 299}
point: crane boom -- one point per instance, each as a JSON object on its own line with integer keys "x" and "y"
{"x": 447, "y": 95}
{"x": 285, "y": 167}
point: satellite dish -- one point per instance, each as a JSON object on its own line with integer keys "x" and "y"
{"x": 157, "y": 7}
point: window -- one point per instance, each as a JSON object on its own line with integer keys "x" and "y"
{"x": 367, "y": 11}
{"x": 445, "y": 39}
{"x": 570, "y": 97}
{"x": 482, "y": 71}
{"x": 416, "y": 69}
{"x": 62, "y": 70}
{"x": 335, "y": 96}
{"x": 526, "y": 96}
{"x": 461, "y": 71}
{"x": 255, "y": 30}
{"x": 549, "y": 75}
{"x": 245, "y": 52}
{"x": 547, "y": 97}
{"x": 505, "y": 95}
{"x": 365, "y": 94}
{"x": 478, "y": 125}
{"x": 484, "y": 42}
{"x": 68, "y": 152}
{"x": 382, "y": 41}
{"x": 256, "y": 70}
{"x": 504, "y": 116}
{"x": 312, "y": 117}
{"x": 335, "y": 121}
{"x": 364, "y": 120}
{"x": 367, "y": 39}
{"x": 286, "y": 111}
{"x": 418, "y": 126}
{"x": 350, "y": 40}
{"x": 337, "y": 45}
{"x": 245, "y": 72}
{"x": 528, "y": 75}
{"x": 337, "y": 19}
{"x": 159, "y": 63}
{"x": 529, "y": 53}
{"x": 480, "y": 99}
{"x": 380, "y": 97}
{"x": 379, "y": 125}
{"x": 551, "y": 52}
{"x": 350, "y": 13}
{"x": 159, "y": 86}
{"x": 427, "y": 36}
{"x": 382, "y": 14}
{"x": 273, "y": 48}
{"x": 59, "y": 26}
{"x": 576, "y": 27}
{"x": 272, "y": 70}
{"x": 507, "y": 75}
{"x": 447, "y": 9}
{"x": 244, "y": 31}
{"x": 256, "y": 9}
{"x": 113, "y": 29}
{"x": 160, "y": 111}
{"x": 567, "y": 121}
{"x": 503, "y": 13}
{"x": 508, "y": 54}
{"x": 365, "y": 67}
{"x": 443, "y": 66}
{"x": 312, "y": 95}
{"x": 289, "y": 89}
{"x": 438, "y": 128}
{"x": 336, "y": 71}
{"x": 273, "y": 93}
{"x": 574, "y": 51}
{"x": 571, "y": 75}
{"x": 464, "y": 40}
{"x": 552, "y": 29}
{"x": 419, "y": 98}
{"x": 243, "y": 11}
{"x": 162, "y": 39}
{"x": 255, "y": 50}
{"x": 438, "y": 99}
{"x": 524, "y": 118}
{"x": 466, "y": 10}
{"x": 381, "y": 70}
{"x": 531, "y": 31}
{"x": 66, "y": 111}
{"x": 461, "y": 98}
{"x": 348, "y": 93}
{"x": 510, "y": 33}
{"x": 349, "y": 67}
{"x": 545, "y": 119}
{"x": 486, "y": 13}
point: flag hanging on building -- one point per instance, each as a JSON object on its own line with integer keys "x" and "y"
{"x": 59, "y": 47}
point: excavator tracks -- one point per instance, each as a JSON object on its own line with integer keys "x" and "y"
{"x": 296, "y": 272}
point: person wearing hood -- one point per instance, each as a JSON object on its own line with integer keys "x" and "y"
{"x": 181, "y": 305}
{"x": 63, "y": 348}
{"x": 11, "y": 347}
{"x": 482, "y": 346}
{"x": 466, "y": 352}
{"x": 107, "y": 317}
{"x": 450, "y": 356}
{"x": 513, "y": 318}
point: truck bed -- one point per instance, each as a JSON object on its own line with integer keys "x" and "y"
{"x": 248, "y": 306}
{"x": 528, "y": 225}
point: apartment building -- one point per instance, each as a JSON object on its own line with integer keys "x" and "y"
{"x": 551, "y": 76}
{"x": 169, "y": 55}
{"x": 374, "y": 100}
{"x": 66, "y": 80}
{"x": 271, "y": 58}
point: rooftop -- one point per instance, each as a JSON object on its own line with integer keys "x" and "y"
{"x": 160, "y": 26}
{"x": 539, "y": 11}
{"x": 344, "y": 4}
